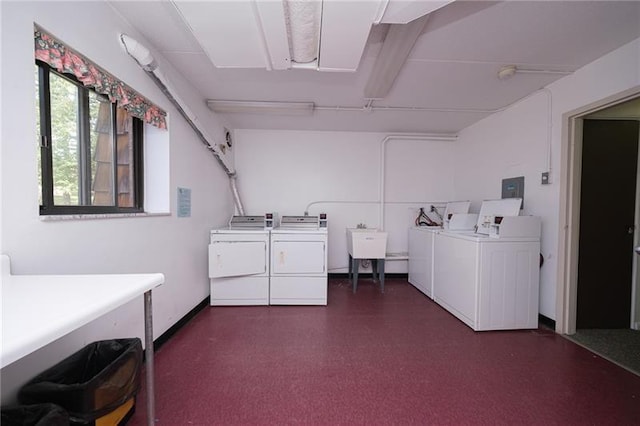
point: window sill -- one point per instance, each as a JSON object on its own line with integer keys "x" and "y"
{"x": 61, "y": 217}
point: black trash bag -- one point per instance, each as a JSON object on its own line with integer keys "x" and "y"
{"x": 34, "y": 415}
{"x": 92, "y": 382}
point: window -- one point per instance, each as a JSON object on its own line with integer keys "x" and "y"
{"x": 90, "y": 149}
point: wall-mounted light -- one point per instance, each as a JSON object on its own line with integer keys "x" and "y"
{"x": 261, "y": 107}
{"x": 508, "y": 71}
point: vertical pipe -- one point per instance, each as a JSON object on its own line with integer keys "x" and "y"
{"x": 406, "y": 137}
{"x": 383, "y": 146}
{"x": 549, "y": 128}
{"x": 236, "y": 195}
{"x": 148, "y": 345}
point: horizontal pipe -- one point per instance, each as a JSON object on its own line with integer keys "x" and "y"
{"x": 369, "y": 108}
{"x": 313, "y": 203}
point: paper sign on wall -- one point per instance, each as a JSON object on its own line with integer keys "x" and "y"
{"x": 184, "y": 202}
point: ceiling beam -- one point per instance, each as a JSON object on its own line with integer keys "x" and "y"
{"x": 395, "y": 50}
{"x": 403, "y": 12}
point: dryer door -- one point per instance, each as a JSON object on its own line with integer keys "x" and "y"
{"x": 298, "y": 257}
{"x": 236, "y": 258}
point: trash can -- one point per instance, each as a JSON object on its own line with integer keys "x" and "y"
{"x": 97, "y": 385}
{"x": 34, "y": 415}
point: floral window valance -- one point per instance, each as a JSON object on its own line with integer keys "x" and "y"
{"x": 66, "y": 60}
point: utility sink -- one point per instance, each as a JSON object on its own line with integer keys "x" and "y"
{"x": 364, "y": 243}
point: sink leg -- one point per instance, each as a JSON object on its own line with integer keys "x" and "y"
{"x": 350, "y": 267}
{"x": 381, "y": 273}
{"x": 354, "y": 263}
{"x": 374, "y": 267}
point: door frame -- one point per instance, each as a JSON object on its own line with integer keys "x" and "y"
{"x": 569, "y": 214}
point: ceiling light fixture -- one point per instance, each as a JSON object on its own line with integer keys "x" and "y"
{"x": 261, "y": 107}
{"x": 508, "y": 71}
{"x": 303, "y": 20}
{"x": 307, "y": 108}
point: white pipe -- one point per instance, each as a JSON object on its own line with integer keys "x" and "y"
{"x": 433, "y": 137}
{"x": 313, "y": 203}
{"x": 369, "y": 107}
{"x": 549, "y": 128}
{"x": 306, "y": 209}
{"x": 531, "y": 71}
{"x": 137, "y": 51}
{"x": 143, "y": 57}
{"x": 236, "y": 194}
{"x": 403, "y": 137}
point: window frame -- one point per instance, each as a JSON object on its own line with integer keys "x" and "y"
{"x": 84, "y": 163}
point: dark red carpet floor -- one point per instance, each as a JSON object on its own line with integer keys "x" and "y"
{"x": 371, "y": 358}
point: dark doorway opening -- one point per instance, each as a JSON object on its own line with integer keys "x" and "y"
{"x": 607, "y": 213}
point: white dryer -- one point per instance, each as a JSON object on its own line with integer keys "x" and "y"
{"x": 239, "y": 262}
{"x": 299, "y": 261}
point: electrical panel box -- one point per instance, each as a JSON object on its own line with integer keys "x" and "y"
{"x": 513, "y": 188}
{"x": 545, "y": 178}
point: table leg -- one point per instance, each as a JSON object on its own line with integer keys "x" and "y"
{"x": 148, "y": 339}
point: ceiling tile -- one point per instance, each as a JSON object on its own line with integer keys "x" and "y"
{"x": 454, "y": 63}
{"x": 160, "y": 23}
{"x": 565, "y": 33}
{"x": 460, "y": 85}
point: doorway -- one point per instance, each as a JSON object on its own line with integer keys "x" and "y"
{"x": 624, "y": 106}
{"x": 607, "y": 216}
{"x": 599, "y": 281}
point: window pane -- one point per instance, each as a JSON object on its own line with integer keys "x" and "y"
{"x": 65, "y": 136}
{"x": 92, "y": 147}
{"x": 126, "y": 193}
{"x": 102, "y": 150}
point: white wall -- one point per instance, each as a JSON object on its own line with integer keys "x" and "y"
{"x": 167, "y": 244}
{"x": 515, "y": 141}
{"x": 285, "y": 171}
{"x": 280, "y": 171}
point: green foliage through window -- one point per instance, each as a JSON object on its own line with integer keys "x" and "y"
{"x": 90, "y": 149}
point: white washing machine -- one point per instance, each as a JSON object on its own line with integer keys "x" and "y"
{"x": 421, "y": 249}
{"x": 490, "y": 279}
{"x": 239, "y": 262}
{"x": 299, "y": 269}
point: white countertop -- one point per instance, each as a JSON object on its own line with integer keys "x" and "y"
{"x": 38, "y": 309}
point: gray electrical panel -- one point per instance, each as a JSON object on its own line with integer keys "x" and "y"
{"x": 513, "y": 188}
